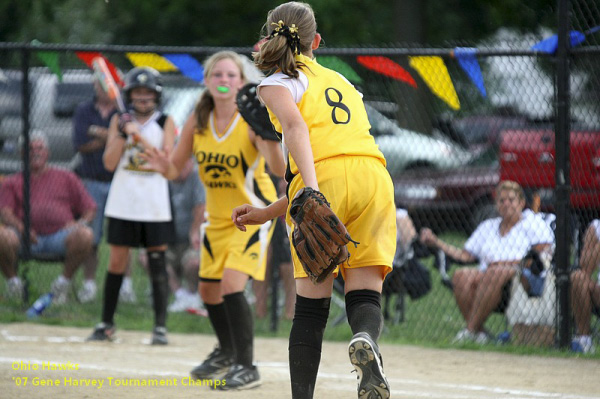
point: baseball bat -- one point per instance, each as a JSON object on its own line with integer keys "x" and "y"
{"x": 110, "y": 87}
{"x": 107, "y": 82}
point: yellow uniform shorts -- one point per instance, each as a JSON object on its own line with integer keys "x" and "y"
{"x": 224, "y": 246}
{"x": 361, "y": 194}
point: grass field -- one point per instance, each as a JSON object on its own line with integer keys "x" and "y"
{"x": 432, "y": 320}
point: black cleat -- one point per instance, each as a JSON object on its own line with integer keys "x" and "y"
{"x": 103, "y": 332}
{"x": 159, "y": 336}
{"x": 240, "y": 377}
{"x": 365, "y": 357}
{"x": 215, "y": 366}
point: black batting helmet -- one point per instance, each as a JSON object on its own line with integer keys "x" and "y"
{"x": 143, "y": 77}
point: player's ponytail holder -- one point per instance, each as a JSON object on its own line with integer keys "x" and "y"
{"x": 289, "y": 32}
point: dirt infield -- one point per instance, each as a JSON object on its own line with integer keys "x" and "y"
{"x": 130, "y": 368}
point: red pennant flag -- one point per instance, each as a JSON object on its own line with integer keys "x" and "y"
{"x": 88, "y": 56}
{"x": 387, "y": 67}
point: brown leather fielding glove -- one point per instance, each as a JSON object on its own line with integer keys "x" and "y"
{"x": 319, "y": 236}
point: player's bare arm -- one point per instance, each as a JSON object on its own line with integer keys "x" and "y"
{"x": 247, "y": 214}
{"x": 114, "y": 146}
{"x": 168, "y": 163}
{"x": 271, "y": 150}
{"x": 279, "y": 100}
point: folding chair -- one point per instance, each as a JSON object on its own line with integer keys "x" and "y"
{"x": 532, "y": 319}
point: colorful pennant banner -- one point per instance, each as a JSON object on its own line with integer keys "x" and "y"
{"x": 550, "y": 44}
{"x": 434, "y": 73}
{"x": 387, "y": 67}
{"x": 188, "y": 66}
{"x": 50, "y": 59}
{"x": 467, "y": 60}
{"x": 151, "y": 60}
{"x": 335, "y": 63}
{"x": 88, "y": 57}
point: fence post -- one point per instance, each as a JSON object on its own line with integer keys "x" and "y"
{"x": 562, "y": 178}
{"x": 25, "y": 58}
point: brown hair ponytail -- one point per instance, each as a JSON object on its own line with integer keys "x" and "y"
{"x": 290, "y": 28}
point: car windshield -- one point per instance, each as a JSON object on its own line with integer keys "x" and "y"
{"x": 486, "y": 157}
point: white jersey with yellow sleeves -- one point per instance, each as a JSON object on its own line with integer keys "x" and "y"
{"x": 232, "y": 170}
{"x": 332, "y": 109}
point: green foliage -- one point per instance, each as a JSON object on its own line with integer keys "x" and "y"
{"x": 432, "y": 320}
{"x": 238, "y": 22}
{"x": 471, "y": 20}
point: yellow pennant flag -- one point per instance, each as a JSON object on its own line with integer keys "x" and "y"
{"x": 435, "y": 74}
{"x": 160, "y": 63}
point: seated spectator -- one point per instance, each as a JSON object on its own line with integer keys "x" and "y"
{"x": 409, "y": 274}
{"x": 498, "y": 244}
{"x": 585, "y": 292}
{"x": 61, "y": 210}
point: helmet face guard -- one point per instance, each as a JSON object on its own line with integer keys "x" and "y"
{"x": 143, "y": 77}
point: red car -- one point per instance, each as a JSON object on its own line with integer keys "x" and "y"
{"x": 451, "y": 199}
{"x": 528, "y": 157}
{"x": 460, "y": 198}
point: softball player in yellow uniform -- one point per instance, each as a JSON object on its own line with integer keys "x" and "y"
{"x": 324, "y": 126}
{"x": 231, "y": 160}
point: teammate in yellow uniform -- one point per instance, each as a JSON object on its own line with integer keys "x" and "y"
{"x": 324, "y": 126}
{"x": 231, "y": 160}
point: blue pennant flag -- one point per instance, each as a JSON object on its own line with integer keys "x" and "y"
{"x": 550, "y": 44}
{"x": 187, "y": 65}
{"x": 468, "y": 62}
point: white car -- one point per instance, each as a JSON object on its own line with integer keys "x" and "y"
{"x": 408, "y": 150}
{"x": 53, "y": 103}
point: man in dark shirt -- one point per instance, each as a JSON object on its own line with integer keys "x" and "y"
{"x": 90, "y": 131}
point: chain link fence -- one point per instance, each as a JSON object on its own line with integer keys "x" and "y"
{"x": 452, "y": 122}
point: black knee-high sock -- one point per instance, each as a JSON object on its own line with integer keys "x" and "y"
{"x": 306, "y": 340}
{"x": 363, "y": 308}
{"x": 112, "y": 286}
{"x": 242, "y": 327}
{"x": 217, "y": 314}
{"x": 160, "y": 286}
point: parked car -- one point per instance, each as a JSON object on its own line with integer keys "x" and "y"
{"x": 477, "y": 132}
{"x": 52, "y": 104}
{"x": 408, "y": 150}
{"x": 528, "y": 157}
{"x": 460, "y": 198}
{"x": 43, "y": 97}
{"x": 450, "y": 199}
